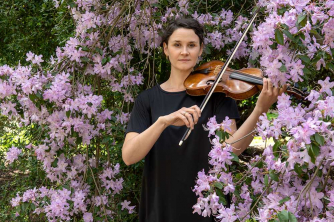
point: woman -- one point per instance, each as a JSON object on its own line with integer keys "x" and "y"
{"x": 159, "y": 119}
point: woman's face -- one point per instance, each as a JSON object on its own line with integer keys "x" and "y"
{"x": 183, "y": 49}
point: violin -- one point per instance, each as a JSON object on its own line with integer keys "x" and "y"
{"x": 237, "y": 84}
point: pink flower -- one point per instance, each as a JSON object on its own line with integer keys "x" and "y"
{"x": 212, "y": 126}
{"x": 16, "y": 201}
{"x": 13, "y": 154}
{"x": 88, "y": 217}
{"x": 326, "y": 86}
{"x": 37, "y": 59}
{"x": 227, "y": 214}
{"x": 226, "y": 125}
{"x": 30, "y": 56}
{"x": 125, "y": 205}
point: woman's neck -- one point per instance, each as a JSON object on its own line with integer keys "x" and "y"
{"x": 176, "y": 80}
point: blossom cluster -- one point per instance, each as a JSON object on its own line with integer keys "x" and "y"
{"x": 294, "y": 173}
{"x": 303, "y": 33}
{"x": 55, "y": 203}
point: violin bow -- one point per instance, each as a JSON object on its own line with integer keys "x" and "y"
{"x": 219, "y": 76}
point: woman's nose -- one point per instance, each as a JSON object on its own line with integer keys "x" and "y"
{"x": 184, "y": 51}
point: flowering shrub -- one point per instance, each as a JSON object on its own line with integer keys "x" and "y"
{"x": 72, "y": 108}
{"x": 292, "y": 180}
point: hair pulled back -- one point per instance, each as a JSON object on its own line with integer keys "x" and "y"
{"x": 187, "y": 23}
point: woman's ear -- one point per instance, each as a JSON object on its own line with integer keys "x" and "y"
{"x": 165, "y": 49}
{"x": 201, "y": 50}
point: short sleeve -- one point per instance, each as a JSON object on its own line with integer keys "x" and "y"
{"x": 140, "y": 116}
{"x": 225, "y": 106}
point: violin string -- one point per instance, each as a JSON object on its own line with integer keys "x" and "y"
{"x": 248, "y": 75}
{"x": 245, "y": 78}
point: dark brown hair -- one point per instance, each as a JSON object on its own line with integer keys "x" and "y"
{"x": 187, "y": 23}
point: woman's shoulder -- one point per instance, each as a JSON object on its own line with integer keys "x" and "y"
{"x": 148, "y": 92}
{"x": 147, "y": 95}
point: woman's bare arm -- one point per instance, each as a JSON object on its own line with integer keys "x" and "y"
{"x": 136, "y": 146}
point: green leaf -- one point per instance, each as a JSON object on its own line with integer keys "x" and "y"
{"x": 33, "y": 97}
{"x": 104, "y": 61}
{"x": 310, "y": 152}
{"x": 84, "y": 59}
{"x": 306, "y": 71}
{"x": 235, "y": 157}
{"x": 99, "y": 51}
{"x": 105, "y": 140}
{"x": 54, "y": 163}
{"x": 85, "y": 48}
{"x": 317, "y": 36}
{"x": 273, "y": 175}
{"x": 221, "y": 195}
{"x": 68, "y": 113}
{"x": 301, "y": 20}
{"x": 283, "y": 68}
{"x": 207, "y": 50}
{"x": 271, "y": 116}
{"x": 286, "y": 216}
{"x": 283, "y": 216}
{"x": 282, "y": 10}
{"x": 72, "y": 4}
{"x": 220, "y": 134}
{"x": 302, "y": 35}
{"x": 39, "y": 95}
{"x": 330, "y": 66}
{"x": 315, "y": 149}
{"x": 284, "y": 200}
{"x": 319, "y": 139}
{"x": 25, "y": 207}
{"x": 156, "y": 5}
{"x": 304, "y": 58}
{"x": 279, "y": 37}
{"x": 292, "y": 217}
{"x": 275, "y": 148}
{"x": 288, "y": 34}
{"x": 219, "y": 185}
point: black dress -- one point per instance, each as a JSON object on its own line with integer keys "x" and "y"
{"x": 170, "y": 170}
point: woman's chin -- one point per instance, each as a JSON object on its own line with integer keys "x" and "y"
{"x": 185, "y": 68}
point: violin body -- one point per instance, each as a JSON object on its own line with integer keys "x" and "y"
{"x": 237, "y": 84}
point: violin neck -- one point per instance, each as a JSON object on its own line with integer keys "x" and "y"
{"x": 247, "y": 78}
{"x": 259, "y": 81}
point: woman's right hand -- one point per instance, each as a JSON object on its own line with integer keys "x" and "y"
{"x": 184, "y": 116}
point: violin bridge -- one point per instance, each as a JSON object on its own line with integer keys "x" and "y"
{"x": 217, "y": 69}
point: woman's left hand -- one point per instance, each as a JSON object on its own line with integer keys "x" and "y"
{"x": 268, "y": 95}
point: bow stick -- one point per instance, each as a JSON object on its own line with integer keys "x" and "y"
{"x": 207, "y": 97}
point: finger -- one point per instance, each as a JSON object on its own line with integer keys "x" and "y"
{"x": 194, "y": 114}
{"x": 198, "y": 110}
{"x": 265, "y": 84}
{"x": 270, "y": 85}
{"x": 276, "y": 91}
{"x": 184, "y": 119}
{"x": 283, "y": 89}
{"x": 190, "y": 120}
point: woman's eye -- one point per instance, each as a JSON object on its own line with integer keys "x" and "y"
{"x": 177, "y": 45}
{"x": 192, "y": 45}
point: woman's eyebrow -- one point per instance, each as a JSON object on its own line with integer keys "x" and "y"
{"x": 181, "y": 41}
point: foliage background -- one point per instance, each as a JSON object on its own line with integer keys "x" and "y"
{"x": 39, "y": 27}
